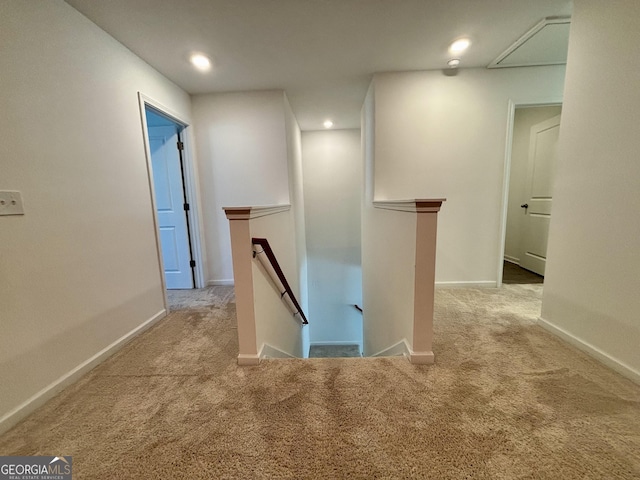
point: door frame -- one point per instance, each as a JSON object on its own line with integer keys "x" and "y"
{"x": 190, "y": 186}
{"x": 511, "y": 112}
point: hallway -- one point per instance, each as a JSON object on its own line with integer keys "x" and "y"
{"x": 505, "y": 399}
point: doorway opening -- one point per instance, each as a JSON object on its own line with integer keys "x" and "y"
{"x": 172, "y": 184}
{"x": 531, "y": 172}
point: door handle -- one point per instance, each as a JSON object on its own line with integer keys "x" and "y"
{"x": 524, "y": 205}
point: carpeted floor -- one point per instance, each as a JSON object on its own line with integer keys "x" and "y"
{"x": 200, "y": 298}
{"x": 505, "y": 400}
{"x": 334, "y": 351}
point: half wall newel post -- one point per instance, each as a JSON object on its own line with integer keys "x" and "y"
{"x": 418, "y": 340}
{"x": 242, "y": 254}
{"x": 425, "y": 276}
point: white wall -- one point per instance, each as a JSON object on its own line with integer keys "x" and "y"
{"x": 241, "y": 146}
{"x": 249, "y": 152}
{"x": 80, "y": 269}
{"x": 524, "y": 119}
{"x": 593, "y": 269}
{"x": 294, "y": 154}
{"x": 444, "y": 136}
{"x": 276, "y": 325}
{"x": 388, "y": 256}
{"x": 332, "y": 190}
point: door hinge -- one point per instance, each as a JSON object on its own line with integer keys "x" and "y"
{"x": 180, "y": 146}
{"x": 186, "y": 207}
{"x": 192, "y": 263}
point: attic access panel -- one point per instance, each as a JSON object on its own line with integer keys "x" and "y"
{"x": 545, "y": 44}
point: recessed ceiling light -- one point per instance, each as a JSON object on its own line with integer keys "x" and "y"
{"x": 454, "y": 63}
{"x": 328, "y": 124}
{"x": 201, "y": 62}
{"x": 460, "y": 45}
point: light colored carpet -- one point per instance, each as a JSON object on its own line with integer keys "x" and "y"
{"x": 505, "y": 400}
{"x": 200, "y": 298}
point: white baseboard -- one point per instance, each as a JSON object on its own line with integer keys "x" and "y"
{"x": 480, "y": 284}
{"x": 267, "y": 351}
{"x": 595, "y": 352}
{"x": 220, "y": 283}
{"x": 397, "y": 350}
{"x": 511, "y": 259}
{"x": 402, "y": 348}
{"x": 40, "y": 398}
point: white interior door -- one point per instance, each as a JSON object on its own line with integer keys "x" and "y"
{"x": 172, "y": 219}
{"x": 543, "y": 157}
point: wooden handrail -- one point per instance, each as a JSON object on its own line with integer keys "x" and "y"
{"x": 266, "y": 248}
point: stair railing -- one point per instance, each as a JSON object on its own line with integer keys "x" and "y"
{"x": 266, "y": 249}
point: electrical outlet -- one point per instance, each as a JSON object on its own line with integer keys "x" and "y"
{"x": 11, "y": 203}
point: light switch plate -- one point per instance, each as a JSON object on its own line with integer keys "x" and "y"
{"x": 11, "y": 203}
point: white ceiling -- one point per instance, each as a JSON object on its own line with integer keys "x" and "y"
{"x": 321, "y": 52}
